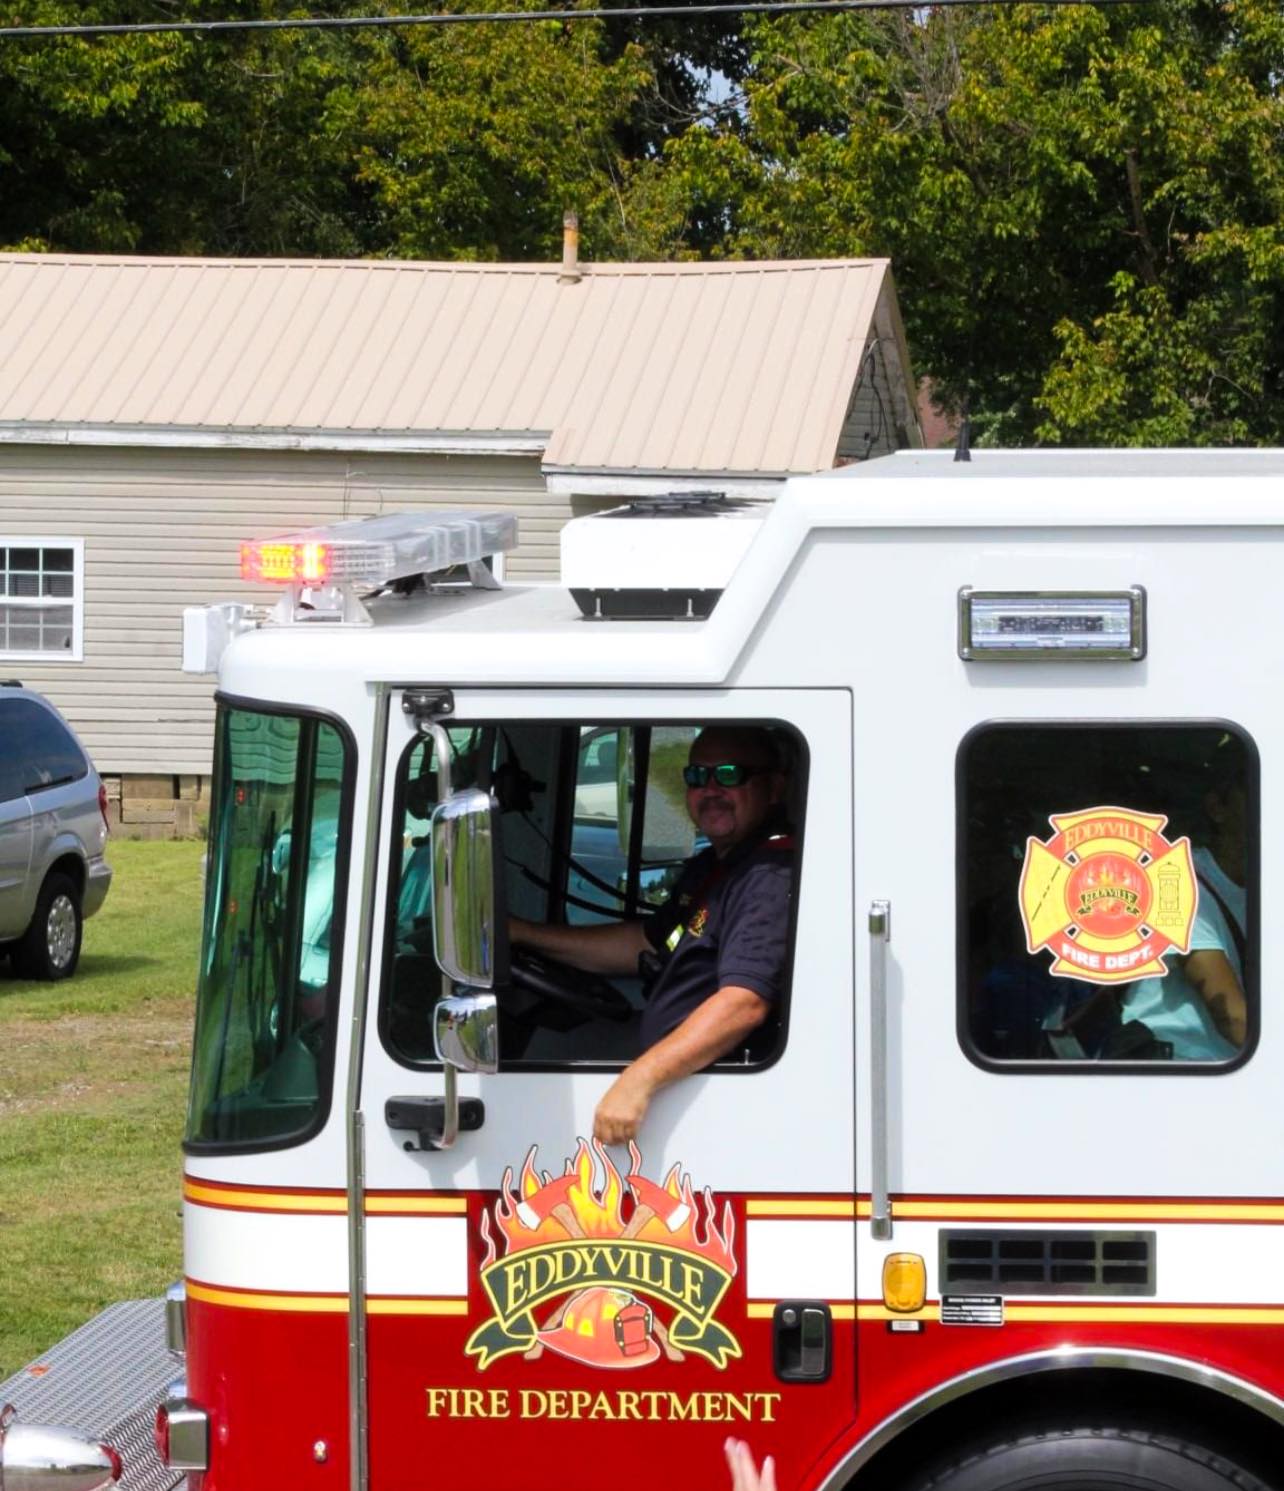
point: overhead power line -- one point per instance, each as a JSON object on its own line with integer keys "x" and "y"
{"x": 472, "y": 18}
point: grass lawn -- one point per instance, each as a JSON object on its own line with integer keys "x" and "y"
{"x": 93, "y": 1079}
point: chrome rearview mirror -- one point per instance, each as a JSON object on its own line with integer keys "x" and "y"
{"x": 466, "y": 1032}
{"x": 469, "y": 942}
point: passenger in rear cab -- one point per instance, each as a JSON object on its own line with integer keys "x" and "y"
{"x": 1199, "y": 1007}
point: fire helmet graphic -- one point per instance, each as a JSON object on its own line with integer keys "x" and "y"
{"x": 1108, "y": 895}
{"x": 602, "y": 1251}
{"x": 604, "y": 1328}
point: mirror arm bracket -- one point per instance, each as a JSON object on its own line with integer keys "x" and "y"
{"x": 426, "y": 706}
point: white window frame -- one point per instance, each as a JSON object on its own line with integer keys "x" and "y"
{"x": 76, "y": 652}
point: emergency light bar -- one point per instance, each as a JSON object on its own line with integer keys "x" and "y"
{"x": 376, "y": 551}
{"x": 1052, "y": 625}
{"x": 321, "y": 569}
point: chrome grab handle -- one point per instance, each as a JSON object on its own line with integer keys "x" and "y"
{"x": 880, "y": 933}
{"x": 450, "y": 1120}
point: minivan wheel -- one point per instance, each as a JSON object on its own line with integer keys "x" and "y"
{"x": 50, "y": 947}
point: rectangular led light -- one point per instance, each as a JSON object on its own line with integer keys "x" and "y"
{"x": 1052, "y": 625}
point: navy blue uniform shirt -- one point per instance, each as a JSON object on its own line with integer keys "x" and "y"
{"x": 727, "y": 922}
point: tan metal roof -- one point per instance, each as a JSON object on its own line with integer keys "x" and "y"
{"x": 635, "y": 368}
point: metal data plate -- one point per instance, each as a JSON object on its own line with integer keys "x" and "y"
{"x": 1052, "y": 626}
{"x": 105, "y": 1381}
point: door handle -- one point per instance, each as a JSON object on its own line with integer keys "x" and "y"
{"x": 880, "y": 934}
{"x": 435, "y": 1122}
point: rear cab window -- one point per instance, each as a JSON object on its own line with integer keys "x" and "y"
{"x": 1108, "y": 894}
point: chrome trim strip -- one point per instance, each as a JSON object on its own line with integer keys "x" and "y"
{"x": 175, "y": 1320}
{"x": 880, "y": 934}
{"x": 359, "y": 1462}
{"x": 1060, "y": 1359}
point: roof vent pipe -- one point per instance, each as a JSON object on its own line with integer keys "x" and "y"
{"x": 571, "y": 273}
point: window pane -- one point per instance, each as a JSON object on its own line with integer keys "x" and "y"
{"x": 1108, "y": 892}
{"x": 45, "y": 747}
{"x": 58, "y": 559}
{"x": 566, "y": 859}
{"x": 59, "y": 585}
{"x": 24, "y": 636}
{"x": 28, "y": 559}
{"x": 23, "y": 584}
{"x": 268, "y": 985}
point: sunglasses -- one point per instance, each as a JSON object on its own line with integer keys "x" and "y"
{"x": 725, "y": 774}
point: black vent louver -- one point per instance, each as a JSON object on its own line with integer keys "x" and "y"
{"x": 985, "y": 1261}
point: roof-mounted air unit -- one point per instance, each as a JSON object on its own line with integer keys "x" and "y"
{"x": 658, "y": 558}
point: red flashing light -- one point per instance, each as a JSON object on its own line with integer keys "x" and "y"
{"x": 287, "y": 563}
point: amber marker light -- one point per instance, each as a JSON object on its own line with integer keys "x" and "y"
{"x": 904, "y": 1282}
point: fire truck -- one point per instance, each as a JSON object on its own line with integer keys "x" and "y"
{"x": 993, "y": 1198}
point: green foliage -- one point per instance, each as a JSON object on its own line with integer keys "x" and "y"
{"x": 1083, "y": 205}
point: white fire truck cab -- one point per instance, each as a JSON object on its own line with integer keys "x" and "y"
{"x": 993, "y": 1196}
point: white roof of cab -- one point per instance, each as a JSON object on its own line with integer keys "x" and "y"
{"x": 536, "y": 636}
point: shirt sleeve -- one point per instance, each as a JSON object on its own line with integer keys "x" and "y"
{"x": 754, "y": 947}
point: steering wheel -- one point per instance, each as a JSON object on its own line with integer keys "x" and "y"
{"x": 589, "y": 993}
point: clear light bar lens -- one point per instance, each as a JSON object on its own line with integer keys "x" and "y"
{"x": 1059, "y": 625}
{"x": 374, "y": 551}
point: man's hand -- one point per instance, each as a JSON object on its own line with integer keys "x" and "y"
{"x": 712, "y": 1029}
{"x": 744, "y": 1473}
{"x": 620, "y": 1113}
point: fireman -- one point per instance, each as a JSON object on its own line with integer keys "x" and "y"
{"x": 720, "y": 941}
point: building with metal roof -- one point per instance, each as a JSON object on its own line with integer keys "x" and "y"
{"x": 155, "y": 412}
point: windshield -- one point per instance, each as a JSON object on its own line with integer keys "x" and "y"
{"x": 269, "y": 972}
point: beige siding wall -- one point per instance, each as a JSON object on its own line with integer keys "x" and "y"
{"x": 161, "y": 530}
{"x": 870, "y": 428}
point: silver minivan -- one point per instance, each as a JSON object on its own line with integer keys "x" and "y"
{"x": 53, "y": 831}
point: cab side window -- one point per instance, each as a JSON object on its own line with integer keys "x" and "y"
{"x": 594, "y": 829}
{"x": 1108, "y": 895}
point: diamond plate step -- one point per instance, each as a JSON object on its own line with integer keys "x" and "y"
{"x": 105, "y": 1381}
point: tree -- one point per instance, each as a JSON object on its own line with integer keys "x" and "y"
{"x": 1082, "y": 206}
{"x": 457, "y": 142}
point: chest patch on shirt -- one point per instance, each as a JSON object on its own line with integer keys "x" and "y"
{"x": 1108, "y": 895}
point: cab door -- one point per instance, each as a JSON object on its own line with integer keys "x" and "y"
{"x": 560, "y": 1313}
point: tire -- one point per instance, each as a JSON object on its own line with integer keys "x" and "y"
{"x": 1081, "y": 1458}
{"x": 50, "y": 947}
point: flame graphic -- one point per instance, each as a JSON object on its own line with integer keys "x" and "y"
{"x": 602, "y": 1205}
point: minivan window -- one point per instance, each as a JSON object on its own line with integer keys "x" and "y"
{"x": 35, "y": 743}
